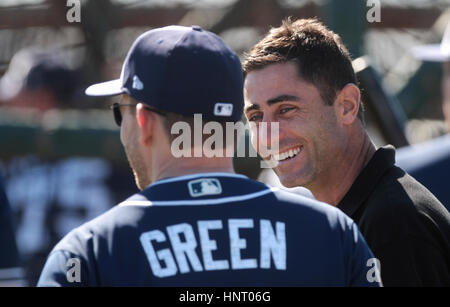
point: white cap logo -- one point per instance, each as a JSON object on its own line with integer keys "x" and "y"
{"x": 137, "y": 83}
{"x": 223, "y": 109}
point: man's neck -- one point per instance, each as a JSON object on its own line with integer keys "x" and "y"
{"x": 339, "y": 180}
{"x": 187, "y": 166}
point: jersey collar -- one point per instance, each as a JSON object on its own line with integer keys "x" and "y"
{"x": 199, "y": 189}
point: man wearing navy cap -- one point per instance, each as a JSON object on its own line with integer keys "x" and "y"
{"x": 195, "y": 222}
{"x": 40, "y": 79}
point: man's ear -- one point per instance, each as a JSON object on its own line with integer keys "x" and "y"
{"x": 347, "y": 104}
{"x": 146, "y": 123}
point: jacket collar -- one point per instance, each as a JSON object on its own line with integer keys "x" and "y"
{"x": 367, "y": 180}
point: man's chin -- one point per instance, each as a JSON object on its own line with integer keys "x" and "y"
{"x": 289, "y": 183}
{"x": 292, "y": 180}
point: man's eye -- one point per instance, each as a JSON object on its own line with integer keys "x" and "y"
{"x": 285, "y": 110}
{"x": 255, "y": 117}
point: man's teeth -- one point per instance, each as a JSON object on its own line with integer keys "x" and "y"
{"x": 287, "y": 154}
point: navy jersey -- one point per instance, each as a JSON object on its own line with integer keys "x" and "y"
{"x": 213, "y": 229}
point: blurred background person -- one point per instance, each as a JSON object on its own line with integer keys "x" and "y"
{"x": 439, "y": 53}
{"x": 39, "y": 79}
{"x": 429, "y": 161}
{"x": 11, "y": 274}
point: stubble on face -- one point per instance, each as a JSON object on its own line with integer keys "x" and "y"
{"x": 318, "y": 152}
{"x": 137, "y": 164}
{"x": 130, "y": 141}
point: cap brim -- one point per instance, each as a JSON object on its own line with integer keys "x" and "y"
{"x": 431, "y": 53}
{"x": 109, "y": 88}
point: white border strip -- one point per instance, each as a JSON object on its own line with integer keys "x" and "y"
{"x": 147, "y": 203}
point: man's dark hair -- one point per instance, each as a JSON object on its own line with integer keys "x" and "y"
{"x": 321, "y": 57}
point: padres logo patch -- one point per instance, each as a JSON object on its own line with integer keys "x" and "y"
{"x": 205, "y": 186}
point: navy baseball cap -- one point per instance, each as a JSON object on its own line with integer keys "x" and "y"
{"x": 185, "y": 70}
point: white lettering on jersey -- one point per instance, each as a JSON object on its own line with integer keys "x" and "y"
{"x": 164, "y": 255}
{"x": 208, "y": 245}
{"x": 237, "y": 243}
{"x": 273, "y": 244}
{"x": 183, "y": 249}
{"x": 184, "y": 243}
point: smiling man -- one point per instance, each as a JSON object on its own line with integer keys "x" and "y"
{"x": 310, "y": 143}
{"x": 300, "y": 76}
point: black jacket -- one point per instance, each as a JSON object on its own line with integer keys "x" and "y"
{"x": 405, "y": 225}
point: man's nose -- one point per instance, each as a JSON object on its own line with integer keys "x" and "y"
{"x": 268, "y": 135}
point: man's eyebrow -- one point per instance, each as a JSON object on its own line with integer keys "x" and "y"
{"x": 251, "y": 107}
{"x": 272, "y": 101}
{"x": 282, "y": 98}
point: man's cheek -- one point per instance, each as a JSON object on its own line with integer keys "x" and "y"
{"x": 254, "y": 136}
